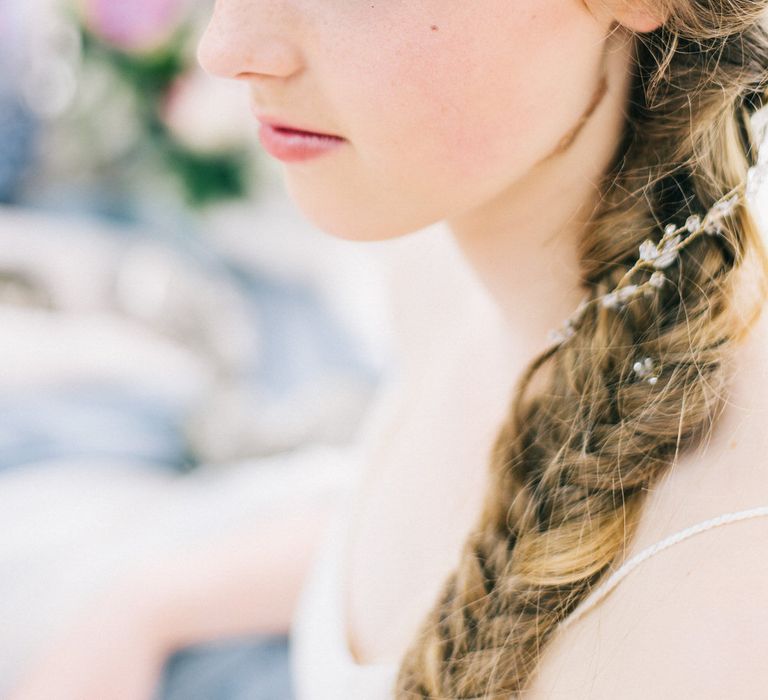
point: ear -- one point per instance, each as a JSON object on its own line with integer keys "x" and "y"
{"x": 637, "y": 15}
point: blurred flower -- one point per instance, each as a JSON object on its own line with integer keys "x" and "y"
{"x": 53, "y": 55}
{"x": 138, "y": 26}
{"x": 189, "y": 118}
{"x": 132, "y": 107}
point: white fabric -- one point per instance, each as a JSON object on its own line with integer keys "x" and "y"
{"x": 323, "y": 667}
{"x": 322, "y": 664}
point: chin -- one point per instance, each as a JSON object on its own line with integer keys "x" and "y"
{"x": 341, "y": 220}
{"x": 358, "y": 231}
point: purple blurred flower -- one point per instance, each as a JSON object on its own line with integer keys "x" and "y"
{"x": 135, "y": 25}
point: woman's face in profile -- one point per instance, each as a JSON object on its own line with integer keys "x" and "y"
{"x": 443, "y": 104}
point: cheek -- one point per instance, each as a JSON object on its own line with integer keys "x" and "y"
{"x": 441, "y": 121}
{"x": 479, "y": 104}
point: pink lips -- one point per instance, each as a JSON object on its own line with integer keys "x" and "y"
{"x": 291, "y": 144}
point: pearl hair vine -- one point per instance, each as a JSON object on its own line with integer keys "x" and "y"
{"x": 658, "y": 256}
{"x": 653, "y": 256}
{"x": 646, "y": 369}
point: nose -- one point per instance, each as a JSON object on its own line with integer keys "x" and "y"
{"x": 247, "y": 38}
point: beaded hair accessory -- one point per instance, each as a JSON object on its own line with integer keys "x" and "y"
{"x": 658, "y": 256}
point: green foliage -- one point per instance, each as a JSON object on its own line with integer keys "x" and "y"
{"x": 205, "y": 177}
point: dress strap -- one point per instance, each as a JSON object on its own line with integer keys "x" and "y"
{"x": 613, "y": 580}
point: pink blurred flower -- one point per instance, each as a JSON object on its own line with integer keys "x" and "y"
{"x": 135, "y": 25}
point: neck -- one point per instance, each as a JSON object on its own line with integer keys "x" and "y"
{"x": 523, "y": 244}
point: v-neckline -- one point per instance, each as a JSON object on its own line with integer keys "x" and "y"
{"x": 342, "y": 589}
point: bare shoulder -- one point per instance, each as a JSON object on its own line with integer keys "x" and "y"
{"x": 691, "y": 621}
{"x": 697, "y": 616}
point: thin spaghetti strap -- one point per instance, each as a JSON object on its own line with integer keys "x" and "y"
{"x": 602, "y": 590}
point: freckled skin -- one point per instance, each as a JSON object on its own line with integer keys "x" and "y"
{"x": 444, "y": 104}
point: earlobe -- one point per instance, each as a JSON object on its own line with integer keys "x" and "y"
{"x": 637, "y": 15}
{"x": 639, "y": 19}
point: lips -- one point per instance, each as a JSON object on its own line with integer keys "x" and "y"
{"x": 288, "y": 130}
{"x": 282, "y": 126}
{"x": 292, "y": 143}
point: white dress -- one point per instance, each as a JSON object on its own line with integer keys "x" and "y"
{"x": 323, "y": 667}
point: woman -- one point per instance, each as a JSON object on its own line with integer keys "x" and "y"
{"x": 555, "y": 138}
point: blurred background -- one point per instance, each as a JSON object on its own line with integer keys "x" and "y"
{"x": 179, "y": 347}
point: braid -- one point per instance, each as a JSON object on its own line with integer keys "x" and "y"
{"x": 571, "y": 466}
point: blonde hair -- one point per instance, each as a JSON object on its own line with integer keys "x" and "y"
{"x": 583, "y": 442}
